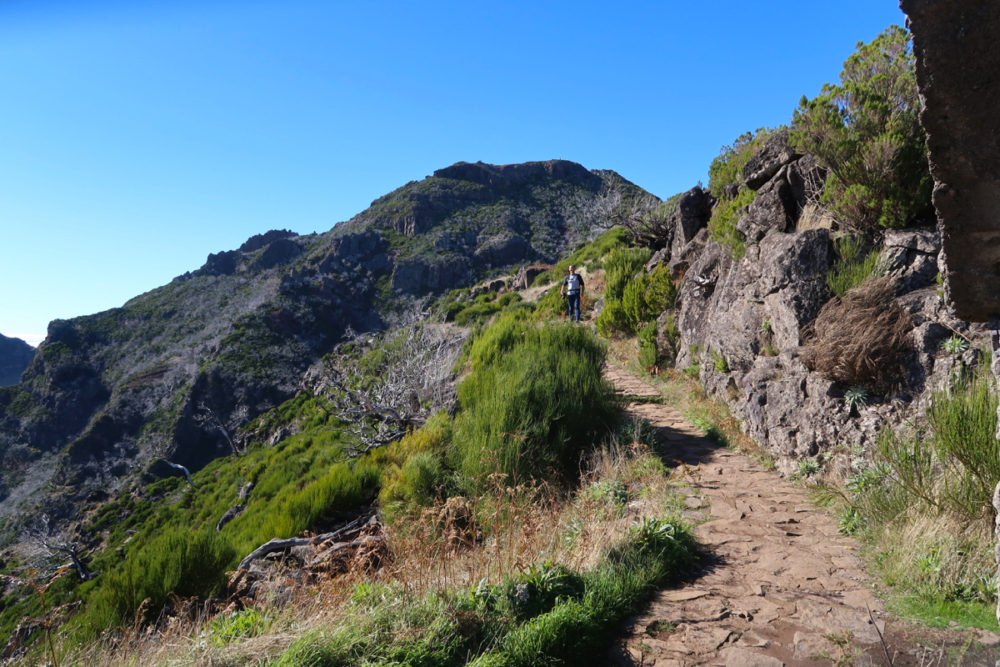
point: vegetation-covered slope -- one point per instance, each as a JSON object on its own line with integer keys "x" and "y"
{"x": 174, "y": 373}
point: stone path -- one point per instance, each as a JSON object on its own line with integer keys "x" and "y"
{"x": 782, "y": 586}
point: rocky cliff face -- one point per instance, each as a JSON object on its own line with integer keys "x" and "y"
{"x": 745, "y": 323}
{"x": 15, "y": 355}
{"x": 957, "y": 64}
{"x": 175, "y": 372}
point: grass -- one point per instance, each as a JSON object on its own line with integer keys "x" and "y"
{"x": 549, "y": 567}
{"x": 855, "y": 264}
{"x": 921, "y": 503}
{"x": 725, "y": 216}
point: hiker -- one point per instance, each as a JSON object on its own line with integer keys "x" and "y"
{"x": 572, "y": 289}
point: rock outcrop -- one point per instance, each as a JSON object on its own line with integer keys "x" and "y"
{"x": 958, "y": 62}
{"x": 744, "y": 323}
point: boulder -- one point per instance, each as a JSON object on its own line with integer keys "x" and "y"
{"x": 911, "y": 256}
{"x": 490, "y": 287}
{"x": 774, "y": 208}
{"x": 805, "y": 178}
{"x": 526, "y": 275}
{"x": 694, "y": 208}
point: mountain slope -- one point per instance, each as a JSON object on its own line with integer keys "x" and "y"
{"x": 15, "y": 355}
{"x": 172, "y": 374}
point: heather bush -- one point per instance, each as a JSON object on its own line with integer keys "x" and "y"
{"x": 866, "y": 131}
{"x": 621, "y": 266}
{"x": 178, "y": 561}
{"x": 648, "y": 295}
{"x": 620, "y": 271}
{"x": 533, "y": 403}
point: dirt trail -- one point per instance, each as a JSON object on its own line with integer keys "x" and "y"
{"x": 783, "y": 586}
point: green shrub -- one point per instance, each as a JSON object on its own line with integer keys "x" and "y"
{"x": 661, "y": 292}
{"x": 964, "y": 422}
{"x": 620, "y": 269}
{"x": 649, "y": 354}
{"x": 924, "y": 499}
{"x": 621, "y": 266}
{"x": 508, "y": 299}
{"x": 612, "y": 318}
{"x": 339, "y": 488}
{"x": 719, "y": 362}
{"x": 497, "y": 341}
{"x": 477, "y": 312}
{"x": 854, "y": 265}
{"x": 726, "y": 213}
{"x": 178, "y": 561}
{"x": 417, "y": 483}
{"x": 534, "y": 401}
{"x": 866, "y": 131}
{"x": 647, "y": 296}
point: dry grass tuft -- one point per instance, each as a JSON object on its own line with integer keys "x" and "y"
{"x": 860, "y": 339}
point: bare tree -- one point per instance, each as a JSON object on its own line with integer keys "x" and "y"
{"x": 55, "y": 544}
{"x": 208, "y": 417}
{"x": 405, "y": 376}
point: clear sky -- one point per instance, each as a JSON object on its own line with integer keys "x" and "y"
{"x": 138, "y": 137}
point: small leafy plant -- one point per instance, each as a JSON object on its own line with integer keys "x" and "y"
{"x": 808, "y": 468}
{"x": 856, "y": 398}
{"x": 955, "y": 345}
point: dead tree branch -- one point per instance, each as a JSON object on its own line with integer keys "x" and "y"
{"x": 349, "y": 530}
{"x": 184, "y": 470}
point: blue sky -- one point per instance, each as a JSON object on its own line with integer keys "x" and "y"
{"x": 138, "y": 137}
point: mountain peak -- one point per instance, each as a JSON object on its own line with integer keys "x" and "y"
{"x": 507, "y": 175}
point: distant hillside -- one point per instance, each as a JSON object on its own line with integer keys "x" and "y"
{"x": 15, "y": 355}
{"x": 174, "y": 372}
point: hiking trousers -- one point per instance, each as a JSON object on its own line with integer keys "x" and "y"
{"x": 574, "y": 306}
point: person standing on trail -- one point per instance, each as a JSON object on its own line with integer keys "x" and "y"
{"x": 572, "y": 289}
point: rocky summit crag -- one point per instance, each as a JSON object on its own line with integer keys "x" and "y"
{"x": 171, "y": 375}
